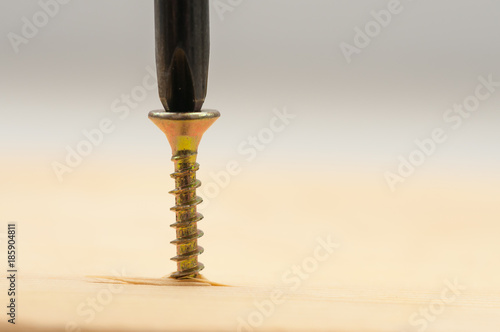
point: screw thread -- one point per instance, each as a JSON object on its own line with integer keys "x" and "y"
{"x": 187, "y": 216}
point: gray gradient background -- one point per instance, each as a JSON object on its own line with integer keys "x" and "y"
{"x": 352, "y": 119}
{"x": 265, "y": 54}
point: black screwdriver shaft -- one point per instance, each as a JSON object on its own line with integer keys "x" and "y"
{"x": 182, "y": 53}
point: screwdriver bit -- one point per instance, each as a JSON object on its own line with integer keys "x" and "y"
{"x": 182, "y": 53}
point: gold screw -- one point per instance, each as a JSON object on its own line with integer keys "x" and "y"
{"x": 184, "y": 132}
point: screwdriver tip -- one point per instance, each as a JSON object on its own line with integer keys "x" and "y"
{"x": 182, "y": 53}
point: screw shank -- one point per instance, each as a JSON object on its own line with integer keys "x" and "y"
{"x": 187, "y": 216}
{"x": 184, "y": 132}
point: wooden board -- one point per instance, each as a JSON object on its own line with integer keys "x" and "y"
{"x": 423, "y": 259}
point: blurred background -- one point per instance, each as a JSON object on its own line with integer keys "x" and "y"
{"x": 317, "y": 104}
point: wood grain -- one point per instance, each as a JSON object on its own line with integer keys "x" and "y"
{"x": 394, "y": 255}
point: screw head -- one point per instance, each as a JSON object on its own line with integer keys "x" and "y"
{"x": 184, "y": 130}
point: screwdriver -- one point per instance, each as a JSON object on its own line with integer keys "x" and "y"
{"x": 182, "y": 53}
